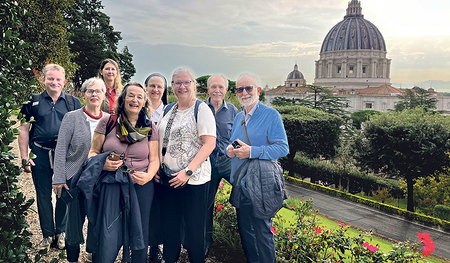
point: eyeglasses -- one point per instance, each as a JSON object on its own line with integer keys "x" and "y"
{"x": 185, "y": 83}
{"x": 92, "y": 91}
{"x": 124, "y": 168}
{"x": 247, "y": 88}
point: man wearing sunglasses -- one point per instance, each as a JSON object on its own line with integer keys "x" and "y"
{"x": 266, "y": 140}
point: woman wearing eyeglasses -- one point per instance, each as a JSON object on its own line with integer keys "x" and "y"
{"x": 134, "y": 140}
{"x": 187, "y": 138}
{"x": 109, "y": 72}
{"x": 74, "y": 142}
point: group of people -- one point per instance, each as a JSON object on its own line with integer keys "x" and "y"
{"x": 144, "y": 172}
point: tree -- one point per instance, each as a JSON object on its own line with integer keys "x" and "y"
{"x": 14, "y": 79}
{"x": 313, "y": 132}
{"x": 409, "y": 144}
{"x": 45, "y": 31}
{"x": 202, "y": 85}
{"x": 416, "y": 97}
{"x": 94, "y": 39}
{"x": 358, "y": 117}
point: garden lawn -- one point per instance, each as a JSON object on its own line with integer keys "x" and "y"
{"x": 382, "y": 244}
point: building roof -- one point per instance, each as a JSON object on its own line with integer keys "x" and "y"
{"x": 288, "y": 90}
{"x": 353, "y": 33}
{"x": 381, "y": 90}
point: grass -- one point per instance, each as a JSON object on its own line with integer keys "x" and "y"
{"x": 382, "y": 244}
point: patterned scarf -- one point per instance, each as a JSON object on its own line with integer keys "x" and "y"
{"x": 129, "y": 134}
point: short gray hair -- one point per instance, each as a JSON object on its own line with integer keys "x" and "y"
{"x": 255, "y": 78}
{"x": 184, "y": 70}
{"x": 225, "y": 80}
{"x": 91, "y": 82}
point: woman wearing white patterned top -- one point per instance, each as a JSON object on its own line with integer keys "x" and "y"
{"x": 191, "y": 139}
{"x": 74, "y": 142}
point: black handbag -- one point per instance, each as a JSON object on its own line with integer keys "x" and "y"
{"x": 165, "y": 175}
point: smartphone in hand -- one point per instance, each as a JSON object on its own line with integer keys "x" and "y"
{"x": 236, "y": 145}
{"x": 66, "y": 196}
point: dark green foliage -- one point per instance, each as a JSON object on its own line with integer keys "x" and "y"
{"x": 45, "y": 30}
{"x": 358, "y": 117}
{"x": 313, "y": 132}
{"x": 329, "y": 173}
{"x": 442, "y": 212}
{"x": 409, "y": 144}
{"x": 14, "y": 238}
{"x": 94, "y": 39}
{"x": 414, "y": 98}
{"x": 202, "y": 85}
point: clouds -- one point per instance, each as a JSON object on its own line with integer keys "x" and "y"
{"x": 267, "y": 37}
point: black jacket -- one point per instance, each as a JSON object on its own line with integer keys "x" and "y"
{"x": 112, "y": 209}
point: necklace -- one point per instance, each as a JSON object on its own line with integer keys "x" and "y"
{"x": 92, "y": 116}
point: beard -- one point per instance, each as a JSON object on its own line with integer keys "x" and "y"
{"x": 250, "y": 102}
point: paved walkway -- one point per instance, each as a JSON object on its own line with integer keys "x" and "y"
{"x": 369, "y": 218}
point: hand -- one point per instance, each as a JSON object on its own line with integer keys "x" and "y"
{"x": 243, "y": 152}
{"x": 157, "y": 178}
{"x": 112, "y": 165}
{"x": 180, "y": 179}
{"x": 27, "y": 168}
{"x": 57, "y": 188}
{"x": 141, "y": 178}
{"x": 230, "y": 151}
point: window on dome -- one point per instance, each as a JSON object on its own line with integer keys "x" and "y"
{"x": 339, "y": 70}
{"x": 350, "y": 70}
{"x": 363, "y": 69}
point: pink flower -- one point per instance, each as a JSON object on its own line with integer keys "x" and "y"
{"x": 272, "y": 229}
{"x": 429, "y": 244}
{"x": 318, "y": 230}
{"x": 221, "y": 185}
{"x": 219, "y": 207}
{"x": 340, "y": 224}
{"x": 370, "y": 247}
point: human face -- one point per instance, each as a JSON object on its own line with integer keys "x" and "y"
{"x": 134, "y": 100}
{"x": 182, "y": 92}
{"x": 217, "y": 89}
{"x": 248, "y": 98}
{"x": 54, "y": 81}
{"x": 94, "y": 99}
{"x": 155, "y": 88}
{"x": 109, "y": 72}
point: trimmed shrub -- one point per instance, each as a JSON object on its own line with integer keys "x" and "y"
{"x": 442, "y": 212}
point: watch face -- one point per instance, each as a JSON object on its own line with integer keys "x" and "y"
{"x": 188, "y": 172}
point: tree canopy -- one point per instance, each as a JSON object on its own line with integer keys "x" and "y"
{"x": 416, "y": 97}
{"x": 409, "y": 144}
{"x": 94, "y": 39}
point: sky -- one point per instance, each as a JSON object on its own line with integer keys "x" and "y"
{"x": 267, "y": 37}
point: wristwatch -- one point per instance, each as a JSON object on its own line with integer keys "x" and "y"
{"x": 188, "y": 171}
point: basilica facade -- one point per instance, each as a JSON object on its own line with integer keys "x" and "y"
{"x": 353, "y": 63}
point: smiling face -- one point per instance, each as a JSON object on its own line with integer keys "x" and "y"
{"x": 182, "y": 92}
{"x": 54, "y": 81}
{"x": 248, "y": 99}
{"x": 134, "y": 100}
{"x": 217, "y": 89}
{"x": 109, "y": 72}
{"x": 155, "y": 87}
{"x": 94, "y": 99}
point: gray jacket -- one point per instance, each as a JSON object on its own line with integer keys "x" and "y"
{"x": 264, "y": 185}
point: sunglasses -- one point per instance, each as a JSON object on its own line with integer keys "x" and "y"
{"x": 247, "y": 88}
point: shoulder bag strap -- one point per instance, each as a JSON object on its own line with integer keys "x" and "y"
{"x": 244, "y": 130}
{"x": 167, "y": 131}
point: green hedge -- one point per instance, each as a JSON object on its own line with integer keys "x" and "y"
{"x": 329, "y": 173}
{"x": 428, "y": 220}
{"x": 442, "y": 212}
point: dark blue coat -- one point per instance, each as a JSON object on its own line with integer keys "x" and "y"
{"x": 112, "y": 209}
